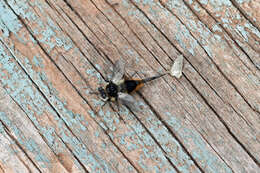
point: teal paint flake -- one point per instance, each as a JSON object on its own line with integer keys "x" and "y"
{"x": 92, "y": 114}
{"x": 98, "y": 66}
{"x": 242, "y": 32}
{"x": 103, "y": 126}
{"x": 238, "y": 16}
{"x": 182, "y": 33}
{"x": 142, "y": 164}
{"x": 109, "y": 120}
{"x": 29, "y": 144}
{"x": 37, "y": 61}
{"x": 39, "y": 5}
{"x": 125, "y": 3}
{"x": 130, "y": 169}
{"x": 190, "y": 2}
{"x": 216, "y": 28}
{"x": 243, "y": 1}
{"x": 132, "y": 147}
{"x": 97, "y": 103}
{"x": 106, "y": 167}
{"x": 45, "y": 30}
{"x": 219, "y": 3}
{"x": 22, "y": 9}
{"x": 96, "y": 133}
{"x": 204, "y": 2}
{"x": 8, "y": 21}
{"x": 197, "y": 7}
{"x": 32, "y": 39}
{"x": 18, "y": 84}
{"x": 122, "y": 140}
{"x": 168, "y": 143}
{"x": 253, "y": 29}
{"x": 2, "y": 130}
{"x": 93, "y": 73}
{"x": 145, "y": 141}
{"x": 209, "y": 161}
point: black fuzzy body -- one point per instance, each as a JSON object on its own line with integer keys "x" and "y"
{"x": 127, "y": 86}
{"x": 130, "y": 85}
{"x": 112, "y": 90}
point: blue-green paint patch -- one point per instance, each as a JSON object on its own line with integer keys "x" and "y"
{"x": 97, "y": 103}
{"x": 93, "y": 73}
{"x": 92, "y": 114}
{"x": 209, "y": 162}
{"x": 47, "y": 31}
{"x": 29, "y": 144}
{"x": 204, "y": 2}
{"x": 168, "y": 143}
{"x": 216, "y": 28}
{"x": 8, "y": 20}
{"x": 254, "y": 30}
{"x": 96, "y": 133}
{"x": 37, "y": 61}
{"x": 21, "y": 89}
{"x": 196, "y": 7}
{"x": 243, "y": 1}
{"x": 98, "y": 66}
{"x": 242, "y": 32}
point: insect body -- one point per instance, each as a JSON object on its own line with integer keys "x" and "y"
{"x": 120, "y": 87}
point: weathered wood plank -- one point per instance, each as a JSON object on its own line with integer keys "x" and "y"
{"x": 239, "y": 28}
{"x": 54, "y": 79}
{"x": 80, "y": 145}
{"x": 111, "y": 52}
{"x": 170, "y": 141}
{"x": 36, "y": 108}
{"x": 53, "y": 53}
{"x": 250, "y": 9}
{"x": 102, "y": 22}
{"x": 22, "y": 140}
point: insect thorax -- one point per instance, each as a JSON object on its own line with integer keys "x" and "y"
{"x": 112, "y": 89}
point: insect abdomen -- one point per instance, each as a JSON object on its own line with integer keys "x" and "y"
{"x": 132, "y": 85}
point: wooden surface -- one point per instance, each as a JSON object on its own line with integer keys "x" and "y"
{"x": 53, "y": 53}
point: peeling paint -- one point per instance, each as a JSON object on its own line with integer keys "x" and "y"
{"x": 29, "y": 144}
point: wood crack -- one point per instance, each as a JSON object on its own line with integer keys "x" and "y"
{"x": 229, "y": 34}
{"x": 226, "y": 126}
{"x": 246, "y": 16}
{"x": 171, "y": 132}
{"x": 219, "y": 117}
{"x": 139, "y": 119}
{"x": 7, "y": 131}
{"x": 74, "y": 87}
{"x": 36, "y": 86}
{"x": 63, "y": 50}
{"x": 101, "y": 54}
{"x": 222, "y": 73}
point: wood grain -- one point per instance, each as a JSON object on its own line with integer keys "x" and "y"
{"x": 54, "y": 53}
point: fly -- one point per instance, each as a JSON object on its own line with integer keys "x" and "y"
{"x": 119, "y": 88}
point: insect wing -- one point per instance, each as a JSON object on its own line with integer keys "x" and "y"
{"x": 118, "y": 71}
{"x": 128, "y": 100}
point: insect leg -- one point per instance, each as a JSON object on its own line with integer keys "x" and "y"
{"x": 96, "y": 93}
{"x": 110, "y": 104}
{"x": 104, "y": 104}
{"x": 117, "y": 105}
